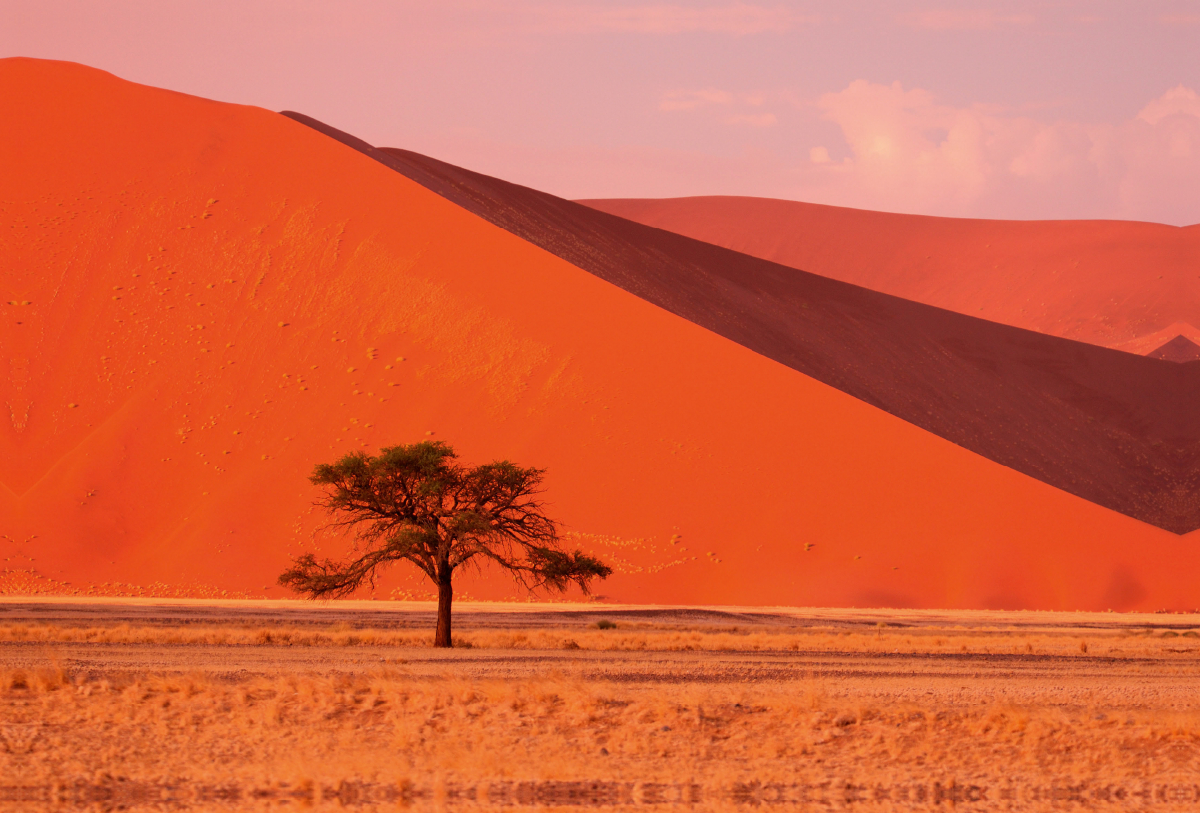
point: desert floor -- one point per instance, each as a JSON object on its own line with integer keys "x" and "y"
{"x": 196, "y": 704}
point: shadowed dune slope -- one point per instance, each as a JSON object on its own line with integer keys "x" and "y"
{"x": 202, "y": 300}
{"x": 1111, "y": 283}
{"x": 1115, "y": 428}
{"x": 1180, "y": 350}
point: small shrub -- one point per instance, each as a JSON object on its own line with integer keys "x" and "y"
{"x": 605, "y": 624}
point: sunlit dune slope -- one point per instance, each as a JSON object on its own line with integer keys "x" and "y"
{"x": 205, "y": 299}
{"x": 1110, "y": 283}
{"x": 1114, "y": 428}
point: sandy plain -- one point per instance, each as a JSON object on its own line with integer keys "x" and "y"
{"x": 144, "y": 704}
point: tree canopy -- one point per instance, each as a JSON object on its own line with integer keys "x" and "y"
{"x": 418, "y": 503}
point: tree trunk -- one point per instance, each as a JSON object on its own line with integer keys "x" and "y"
{"x": 445, "y": 597}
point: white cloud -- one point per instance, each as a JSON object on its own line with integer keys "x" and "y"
{"x": 692, "y": 99}
{"x": 963, "y": 19}
{"x": 1175, "y": 102}
{"x": 688, "y": 100}
{"x": 910, "y": 153}
{"x": 737, "y": 19}
{"x": 752, "y": 119}
{"x": 1180, "y": 19}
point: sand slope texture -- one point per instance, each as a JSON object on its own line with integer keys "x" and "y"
{"x": 203, "y": 300}
{"x": 1109, "y": 426}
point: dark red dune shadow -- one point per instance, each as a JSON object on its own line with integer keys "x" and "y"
{"x": 1112, "y": 427}
{"x": 1119, "y": 284}
{"x": 203, "y": 300}
{"x": 1179, "y": 350}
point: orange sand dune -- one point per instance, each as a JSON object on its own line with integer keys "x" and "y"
{"x": 1110, "y": 283}
{"x": 205, "y": 299}
{"x": 1109, "y": 426}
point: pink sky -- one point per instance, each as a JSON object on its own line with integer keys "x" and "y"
{"x": 1013, "y": 110}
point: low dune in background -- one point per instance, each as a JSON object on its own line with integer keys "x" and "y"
{"x": 1130, "y": 286}
{"x": 1112, "y": 427}
{"x": 1180, "y": 350}
{"x": 203, "y": 300}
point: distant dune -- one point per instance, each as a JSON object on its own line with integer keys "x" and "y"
{"x": 1180, "y": 350}
{"x": 1114, "y": 428}
{"x": 1110, "y": 283}
{"x": 203, "y": 300}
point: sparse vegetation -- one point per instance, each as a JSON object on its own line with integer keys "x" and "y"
{"x": 418, "y": 504}
{"x": 394, "y": 736}
{"x": 607, "y": 636}
{"x": 337, "y": 713}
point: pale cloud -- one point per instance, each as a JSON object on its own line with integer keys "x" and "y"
{"x": 737, "y": 19}
{"x": 689, "y": 100}
{"x": 908, "y": 152}
{"x": 693, "y": 99}
{"x": 752, "y": 119}
{"x": 1175, "y": 102}
{"x": 1180, "y": 19}
{"x": 963, "y": 19}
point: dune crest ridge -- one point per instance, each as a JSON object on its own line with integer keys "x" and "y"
{"x": 1104, "y": 282}
{"x": 211, "y": 298}
{"x": 1180, "y": 350}
{"x": 1117, "y": 429}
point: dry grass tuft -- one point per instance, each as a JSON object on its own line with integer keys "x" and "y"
{"x": 390, "y": 727}
{"x": 607, "y": 636}
{"x": 619, "y": 729}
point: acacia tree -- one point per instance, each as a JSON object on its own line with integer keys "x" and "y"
{"x": 417, "y": 503}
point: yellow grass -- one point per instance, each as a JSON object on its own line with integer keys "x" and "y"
{"x": 1104, "y": 718}
{"x": 389, "y": 735}
{"x": 636, "y": 637}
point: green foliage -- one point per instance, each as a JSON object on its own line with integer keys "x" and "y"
{"x": 418, "y": 503}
